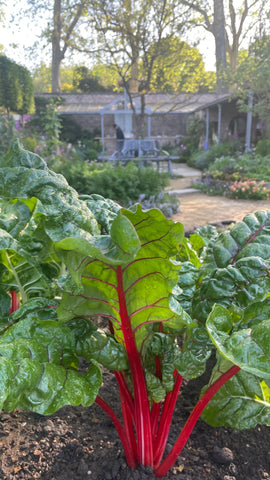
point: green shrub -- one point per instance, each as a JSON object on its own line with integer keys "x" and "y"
{"x": 263, "y": 148}
{"x": 88, "y": 149}
{"x": 224, "y": 165}
{"x": 73, "y": 133}
{"x": 8, "y": 133}
{"x": 195, "y": 130}
{"x": 254, "y": 167}
{"x": 123, "y": 184}
{"x": 203, "y": 159}
{"x": 29, "y": 143}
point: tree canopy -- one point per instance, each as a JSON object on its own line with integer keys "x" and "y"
{"x": 253, "y": 77}
{"x": 180, "y": 68}
{"x": 240, "y": 19}
{"x": 131, "y": 36}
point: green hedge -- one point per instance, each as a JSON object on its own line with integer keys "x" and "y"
{"x": 123, "y": 184}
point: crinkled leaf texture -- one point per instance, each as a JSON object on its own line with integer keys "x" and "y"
{"x": 242, "y": 338}
{"x": 132, "y": 264}
{"x": 247, "y": 238}
{"x": 93, "y": 343}
{"x": 24, "y": 175}
{"x": 236, "y": 267}
{"x": 242, "y": 403}
{"x": 39, "y": 368}
{"x": 104, "y": 210}
{"x": 38, "y": 207}
{"x": 248, "y": 348}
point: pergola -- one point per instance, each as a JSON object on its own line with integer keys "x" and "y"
{"x": 123, "y": 113}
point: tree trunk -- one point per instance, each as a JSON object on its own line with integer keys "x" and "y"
{"x": 220, "y": 41}
{"x": 134, "y": 78}
{"x": 56, "y": 50}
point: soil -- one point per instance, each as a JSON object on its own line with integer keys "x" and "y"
{"x": 80, "y": 443}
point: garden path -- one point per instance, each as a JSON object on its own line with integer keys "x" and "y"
{"x": 198, "y": 209}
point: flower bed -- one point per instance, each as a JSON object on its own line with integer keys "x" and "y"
{"x": 248, "y": 189}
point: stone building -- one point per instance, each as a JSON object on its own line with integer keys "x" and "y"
{"x": 165, "y": 116}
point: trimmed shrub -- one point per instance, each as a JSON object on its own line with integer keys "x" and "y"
{"x": 263, "y": 148}
{"x": 119, "y": 183}
{"x": 203, "y": 159}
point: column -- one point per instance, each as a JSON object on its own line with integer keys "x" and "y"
{"x": 206, "y": 143}
{"x": 249, "y": 123}
{"x": 219, "y": 122}
{"x": 102, "y": 133}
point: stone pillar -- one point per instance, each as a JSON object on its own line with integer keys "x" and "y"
{"x": 102, "y": 132}
{"x": 149, "y": 126}
{"x": 206, "y": 143}
{"x": 219, "y": 122}
{"x": 249, "y": 123}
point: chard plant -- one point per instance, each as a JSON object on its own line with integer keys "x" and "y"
{"x": 169, "y": 303}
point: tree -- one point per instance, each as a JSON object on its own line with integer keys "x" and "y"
{"x": 131, "y": 35}
{"x": 180, "y": 68}
{"x": 236, "y": 25}
{"x": 65, "y": 18}
{"x": 61, "y": 32}
{"x": 42, "y": 78}
{"x": 16, "y": 87}
{"x": 253, "y": 77}
{"x": 87, "y": 82}
{"x": 75, "y": 78}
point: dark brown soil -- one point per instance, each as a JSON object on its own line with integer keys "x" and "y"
{"x": 81, "y": 444}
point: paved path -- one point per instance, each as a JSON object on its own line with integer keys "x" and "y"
{"x": 200, "y": 209}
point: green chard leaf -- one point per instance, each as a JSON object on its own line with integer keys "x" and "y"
{"x": 45, "y": 387}
{"x": 248, "y": 348}
{"x": 38, "y": 368}
{"x": 128, "y": 273}
{"x": 93, "y": 343}
{"x": 24, "y": 175}
{"x": 188, "y": 283}
{"x": 250, "y": 237}
{"x": 242, "y": 402}
{"x": 104, "y": 210}
{"x": 241, "y": 284}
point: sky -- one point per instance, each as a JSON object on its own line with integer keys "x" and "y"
{"x": 25, "y": 39}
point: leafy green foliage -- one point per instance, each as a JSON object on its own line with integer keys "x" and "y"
{"x": 253, "y": 72}
{"x": 179, "y": 68}
{"x": 84, "y": 81}
{"x": 169, "y": 302}
{"x": 16, "y": 87}
{"x": 242, "y": 167}
{"x": 122, "y": 184}
{"x": 72, "y": 132}
{"x": 8, "y": 133}
{"x": 203, "y": 159}
{"x": 236, "y": 175}
{"x": 263, "y": 147}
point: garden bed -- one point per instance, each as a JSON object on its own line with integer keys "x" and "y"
{"x": 81, "y": 443}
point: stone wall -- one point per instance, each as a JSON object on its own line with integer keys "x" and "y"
{"x": 166, "y": 128}
{"x": 171, "y": 127}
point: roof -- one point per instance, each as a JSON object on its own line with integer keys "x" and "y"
{"x": 82, "y": 103}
